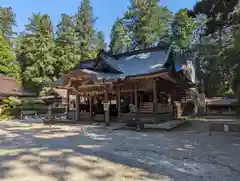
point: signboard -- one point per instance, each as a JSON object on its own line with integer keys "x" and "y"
{"x": 225, "y": 128}
{"x": 106, "y": 105}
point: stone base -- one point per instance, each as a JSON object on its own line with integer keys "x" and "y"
{"x": 165, "y": 126}
{"x": 201, "y": 110}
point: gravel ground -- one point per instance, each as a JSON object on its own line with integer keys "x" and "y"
{"x": 30, "y": 151}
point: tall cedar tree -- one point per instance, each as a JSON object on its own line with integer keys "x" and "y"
{"x": 147, "y": 22}
{"x": 7, "y": 21}
{"x": 8, "y": 64}
{"x": 231, "y": 53}
{"x": 100, "y": 40}
{"x": 90, "y": 40}
{"x": 67, "y": 52}
{"x": 182, "y": 29}
{"x": 36, "y": 53}
{"x": 222, "y": 23}
{"x": 207, "y": 51}
{"x": 217, "y": 13}
{"x": 120, "y": 40}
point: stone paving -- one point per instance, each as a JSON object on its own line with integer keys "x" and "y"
{"x": 31, "y": 151}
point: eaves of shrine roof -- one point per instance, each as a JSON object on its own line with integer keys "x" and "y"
{"x": 139, "y": 62}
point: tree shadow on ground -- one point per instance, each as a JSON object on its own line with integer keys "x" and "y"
{"x": 64, "y": 153}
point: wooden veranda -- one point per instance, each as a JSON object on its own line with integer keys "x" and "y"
{"x": 153, "y": 96}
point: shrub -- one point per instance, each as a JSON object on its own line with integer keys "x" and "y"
{"x": 10, "y": 104}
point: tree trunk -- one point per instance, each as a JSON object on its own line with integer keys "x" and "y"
{"x": 237, "y": 93}
{"x": 236, "y": 89}
{"x": 177, "y": 109}
{"x": 238, "y": 109}
{"x": 238, "y": 103}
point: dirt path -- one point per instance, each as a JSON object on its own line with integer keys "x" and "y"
{"x": 30, "y": 151}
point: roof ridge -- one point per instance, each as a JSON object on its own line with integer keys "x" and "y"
{"x": 111, "y": 61}
{"x": 135, "y": 52}
{"x": 117, "y": 56}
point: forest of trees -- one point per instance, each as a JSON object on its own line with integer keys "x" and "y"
{"x": 38, "y": 56}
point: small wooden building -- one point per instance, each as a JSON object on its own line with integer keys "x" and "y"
{"x": 145, "y": 78}
{"x": 10, "y": 87}
{"x": 59, "y": 95}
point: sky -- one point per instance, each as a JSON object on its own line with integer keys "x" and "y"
{"x": 106, "y": 11}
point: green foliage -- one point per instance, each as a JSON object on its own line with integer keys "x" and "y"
{"x": 218, "y": 49}
{"x": 88, "y": 38}
{"x": 215, "y": 76}
{"x": 77, "y": 39}
{"x": 120, "y": 40}
{"x": 7, "y": 21}
{"x": 100, "y": 41}
{"x": 45, "y": 91}
{"x": 67, "y": 52}
{"x": 8, "y": 64}
{"x": 236, "y": 83}
{"x": 66, "y": 30}
{"x": 35, "y": 52}
{"x": 229, "y": 94}
{"x": 31, "y": 104}
{"x": 11, "y": 101}
{"x": 10, "y": 104}
{"x": 147, "y": 22}
{"x": 85, "y": 21}
{"x": 40, "y": 25}
{"x": 44, "y": 57}
{"x": 182, "y": 29}
{"x": 217, "y": 12}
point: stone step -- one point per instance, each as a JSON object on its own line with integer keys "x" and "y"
{"x": 169, "y": 125}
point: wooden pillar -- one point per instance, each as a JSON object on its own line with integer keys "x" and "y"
{"x": 119, "y": 101}
{"x": 137, "y": 118}
{"x": 141, "y": 98}
{"x": 77, "y": 110}
{"x": 131, "y": 98}
{"x": 73, "y": 110}
{"x": 136, "y": 95}
{"x": 67, "y": 108}
{"x": 94, "y": 103}
{"x": 154, "y": 98}
{"x": 90, "y": 106}
{"x": 107, "y": 116}
{"x": 202, "y": 108}
{"x": 173, "y": 106}
{"x": 50, "y": 110}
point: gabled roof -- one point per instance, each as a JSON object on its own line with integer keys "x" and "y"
{"x": 111, "y": 61}
{"x": 130, "y": 64}
{"x": 139, "y": 62}
{"x": 92, "y": 62}
{"x": 86, "y": 64}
